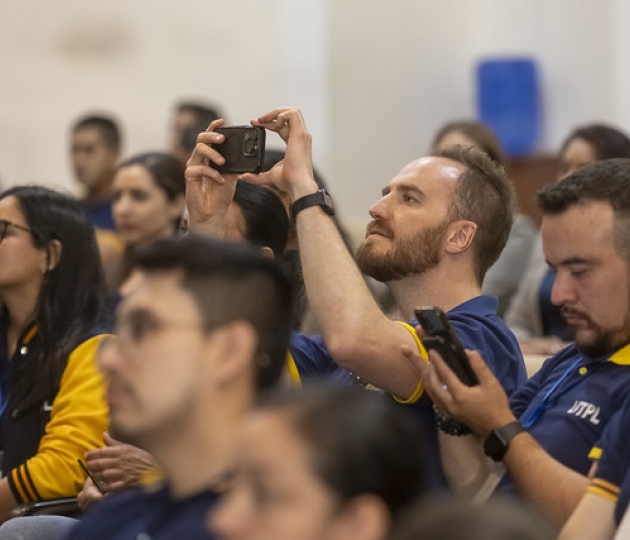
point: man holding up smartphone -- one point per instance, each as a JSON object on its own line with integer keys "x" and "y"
{"x": 440, "y": 224}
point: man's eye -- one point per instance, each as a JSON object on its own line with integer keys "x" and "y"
{"x": 140, "y": 328}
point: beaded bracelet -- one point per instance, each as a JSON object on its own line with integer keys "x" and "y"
{"x": 449, "y": 425}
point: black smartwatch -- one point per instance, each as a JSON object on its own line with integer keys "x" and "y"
{"x": 320, "y": 198}
{"x": 497, "y": 443}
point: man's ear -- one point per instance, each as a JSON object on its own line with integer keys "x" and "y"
{"x": 53, "y": 256}
{"x": 460, "y": 236}
{"x": 366, "y": 517}
{"x": 235, "y": 346}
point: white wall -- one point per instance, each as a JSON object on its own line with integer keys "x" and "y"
{"x": 374, "y": 78}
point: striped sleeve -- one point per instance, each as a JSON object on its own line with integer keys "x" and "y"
{"x": 78, "y": 419}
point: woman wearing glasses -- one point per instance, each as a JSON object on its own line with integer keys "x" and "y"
{"x": 52, "y": 407}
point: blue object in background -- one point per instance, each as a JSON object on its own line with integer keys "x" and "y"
{"x": 508, "y": 101}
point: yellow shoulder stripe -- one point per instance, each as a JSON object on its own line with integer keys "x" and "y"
{"x": 293, "y": 370}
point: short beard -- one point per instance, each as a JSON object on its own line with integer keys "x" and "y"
{"x": 605, "y": 342}
{"x": 410, "y": 255}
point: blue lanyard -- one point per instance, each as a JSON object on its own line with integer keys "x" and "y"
{"x": 538, "y": 411}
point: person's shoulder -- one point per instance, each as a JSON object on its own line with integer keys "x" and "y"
{"x": 476, "y": 321}
{"x": 309, "y": 352}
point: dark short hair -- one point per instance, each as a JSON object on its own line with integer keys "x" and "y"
{"x": 231, "y": 282}
{"x": 203, "y": 112}
{"x": 608, "y": 142}
{"x": 167, "y": 171}
{"x": 603, "y": 181}
{"x": 360, "y": 442}
{"x": 481, "y": 134}
{"x": 484, "y": 195}
{"x": 266, "y": 219}
{"x": 72, "y": 295}
{"x": 106, "y": 126}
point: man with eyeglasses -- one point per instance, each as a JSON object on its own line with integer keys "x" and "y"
{"x": 203, "y": 330}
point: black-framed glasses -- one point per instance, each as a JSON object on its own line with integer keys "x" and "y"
{"x": 4, "y": 227}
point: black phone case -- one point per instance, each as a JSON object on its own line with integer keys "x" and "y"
{"x": 243, "y": 149}
{"x": 440, "y": 336}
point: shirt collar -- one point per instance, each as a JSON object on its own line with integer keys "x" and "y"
{"x": 621, "y": 357}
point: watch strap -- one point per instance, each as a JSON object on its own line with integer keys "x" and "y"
{"x": 320, "y": 198}
{"x": 498, "y": 442}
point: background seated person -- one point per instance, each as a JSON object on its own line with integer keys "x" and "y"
{"x": 53, "y": 299}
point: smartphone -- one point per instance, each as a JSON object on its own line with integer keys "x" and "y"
{"x": 440, "y": 336}
{"x": 243, "y": 149}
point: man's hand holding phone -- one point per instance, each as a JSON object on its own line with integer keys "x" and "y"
{"x": 208, "y": 191}
{"x": 482, "y": 407}
{"x": 297, "y": 178}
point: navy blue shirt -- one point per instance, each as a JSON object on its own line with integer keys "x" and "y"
{"x": 156, "y": 514}
{"x": 574, "y": 415}
{"x": 100, "y": 214}
{"x": 477, "y": 326}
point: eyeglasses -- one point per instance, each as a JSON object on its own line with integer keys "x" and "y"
{"x": 4, "y": 227}
{"x": 134, "y": 328}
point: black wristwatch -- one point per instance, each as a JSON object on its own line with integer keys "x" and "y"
{"x": 497, "y": 443}
{"x": 320, "y": 198}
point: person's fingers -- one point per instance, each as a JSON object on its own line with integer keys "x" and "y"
{"x": 280, "y": 121}
{"x": 198, "y": 173}
{"x": 271, "y": 116}
{"x": 119, "y": 485}
{"x": 420, "y": 332}
{"x": 215, "y": 124}
{"x": 415, "y": 360}
{"x": 109, "y": 440}
{"x": 203, "y": 154}
{"x": 436, "y": 389}
{"x": 445, "y": 373}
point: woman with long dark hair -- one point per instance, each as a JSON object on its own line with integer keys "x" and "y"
{"x": 52, "y": 293}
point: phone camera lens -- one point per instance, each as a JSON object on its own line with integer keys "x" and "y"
{"x": 250, "y": 143}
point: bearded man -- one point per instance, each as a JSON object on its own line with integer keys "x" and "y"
{"x": 440, "y": 224}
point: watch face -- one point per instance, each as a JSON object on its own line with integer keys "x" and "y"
{"x": 497, "y": 443}
{"x": 329, "y": 207}
{"x": 494, "y": 447}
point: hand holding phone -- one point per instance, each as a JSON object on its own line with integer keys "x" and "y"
{"x": 243, "y": 149}
{"x": 440, "y": 336}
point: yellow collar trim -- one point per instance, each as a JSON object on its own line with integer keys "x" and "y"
{"x": 30, "y": 335}
{"x": 621, "y": 357}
